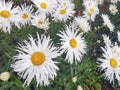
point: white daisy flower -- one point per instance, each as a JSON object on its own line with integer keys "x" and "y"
{"x": 45, "y": 6}
{"x": 107, "y": 22}
{"x": 41, "y": 21}
{"x": 89, "y": 3}
{"x": 66, "y": 3}
{"x": 25, "y": 14}
{"x": 110, "y": 64}
{"x": 93, "y": 10}
{"x": 113, "y": 1}
{"x": 113, "y": 9}
{"x": 106, "y": 40}
{"x": 73, "y": 44}
{"x": 82, "y": 23}
{"x": 34, "y": 60}
{"x": 8, "y": 16}
{"x": 100, "y": 2}
{"x": 87, "y": 14}
{"x": 62, "y": 14}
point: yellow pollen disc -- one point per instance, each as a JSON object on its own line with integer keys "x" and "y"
{"x": 73, "y": 43}
{"x": 113, "y": 63}
{"x": 38, "y": 58}
{"x": 113, "y": 9}
{"x": 62, "y": 11}
{"x": 5, "y": 14}
{"x": 43, "y": 5}
{"x": 40, "y": 22}
{"x": 25, "y": 16}
{"x": 92, "y": 10}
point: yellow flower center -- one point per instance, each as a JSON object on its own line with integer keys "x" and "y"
{"x": 92, "y": 10}
{"x": 62, "y": 11}
{"x": 5, "y": 13}
{"x": 43, "y": 5}
{"x": 25, "y": 16}
{"x": 38, "y": 58}
{"x": 113, "y": 63}
{"x": 113, "y": 9}
{"x": 73, "y": 43}
{"x": 40, "y": 22}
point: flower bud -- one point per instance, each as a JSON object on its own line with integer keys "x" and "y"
{"x": 79, "y": 87}
{"x": 74, "y": 79}
{"x": 5, "y": 76}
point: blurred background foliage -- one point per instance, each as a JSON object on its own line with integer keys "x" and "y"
{"x": 87, "y": 72}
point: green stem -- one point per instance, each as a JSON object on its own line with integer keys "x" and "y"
{"x": 57, "y": 83}
{"x": 96, "y": 30}
{"x": 71, "y": 70}
{"x": 9, "y": 62}
{"x": 19, "y": 83}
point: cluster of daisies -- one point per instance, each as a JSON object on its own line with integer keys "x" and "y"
{"x": 34, "y": 58}
{"x": 21, "y": 15}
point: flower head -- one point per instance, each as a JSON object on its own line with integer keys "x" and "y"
{"x": 40, "y": 21}
{"x": 73, "y": 44}
{"x": 82, "y": 23}
{"x": 45, "y": 6}
{"x": 66, "y": 3}
{"x": 107, "y": 22}
{"x": 107, "y": 40}
{"x": 109, "y": 64}
{"x": 62, "y": 13}
{"x": 100, "y": 2}
{"x": 25, "y": 14}
{"x": 34, "y": 60}
{"x": 113, "y": 9}
{"x": 113, "y": 1}
{"x": 89, "y": 3}
{"x": 8, "y": 15}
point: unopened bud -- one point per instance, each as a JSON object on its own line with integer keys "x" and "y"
{"x": 5, "y": 76}
{"x": 79, "y": 87}
{"x": 74, "y": 79}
